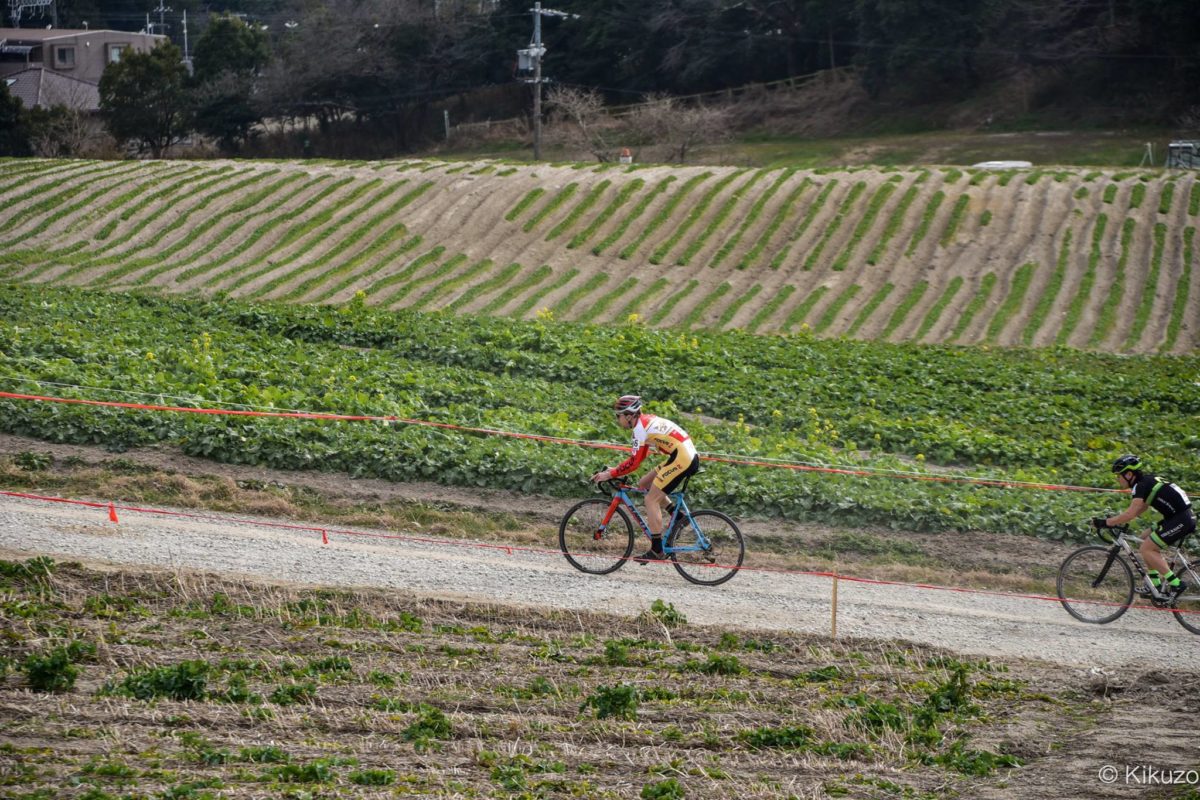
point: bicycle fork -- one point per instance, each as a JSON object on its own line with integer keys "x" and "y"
{"x": 598, "y": 534}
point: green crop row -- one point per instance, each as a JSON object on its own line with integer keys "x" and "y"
{"x": 579, "y": 210}
{"x": 1083, "y": 292}
{"x": 956, "y": 216}
{"x": 1041, "y": 311}
{"x": 349, "y": 269}
{"x": 524, "y": 203}
{"x": 550, "y": 206}
{"x": 864, "y": 224}
{"x": 1116, "y": 290}
{"x": 531, "y": 302}
{"x": 810, "y": 215}
{"x": 501, "y": 278}
{"x": 627, "y": 191}
{"x": 867, "y": 310}
{"x": 947, "y": 405}
{"x": 1137, "y": 195}
{"x": 1182, "y": 289}
{"x": 717, "y": 223}
{"x": 785, "y": 209}
{"x": 694, "y": 212}
{"x": 893, "y": 225}
{"x": 663, "y": 214}
{"x": 450, "y": 284}
{"x": 642, "y": 297}
{"x": 751, "y": 217}
{"x": 604, "y": 303}
{"x": 733, "y": 308}
{"x": 926, "y": 221}
{"x": 983, "y": 296}
{"x": 830, "y": 315}
{"x": 634, "y": 214}
{"x": 832, "y": 227}
{"x": 770, "y": 307}
{"x": 1164, "y": 200}
{"x": 309, "y": 236}
{"x": 526, "y": 282}
{"x": 1149, "y": 289}
{"x": 564, "y": 306}
{"x": 906, "y": 305}
{"x": 935, "y": 311}
{"x": 798, "y": 314}
{"x": 1012, "y": 301}
{"x": 700, "y": 309}
{"x": 672, "y": 301}
{"x": 396, "y": 298}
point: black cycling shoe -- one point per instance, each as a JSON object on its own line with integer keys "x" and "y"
{"x": 650, "y": 555}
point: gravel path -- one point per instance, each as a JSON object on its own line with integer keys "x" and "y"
{"x": 968, "y": 623}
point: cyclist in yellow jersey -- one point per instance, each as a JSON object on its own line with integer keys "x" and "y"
{"x": 668, "y": 439}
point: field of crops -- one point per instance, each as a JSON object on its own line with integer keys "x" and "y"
{"x": 1042, "y": 415}
{"x": 1091, "y": 259}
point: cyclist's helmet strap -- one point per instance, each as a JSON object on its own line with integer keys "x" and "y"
{"x": 1126, "y": 463}
{"x": 628, "y": 404}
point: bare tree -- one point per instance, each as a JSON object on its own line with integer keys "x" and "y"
{"x": 579, "y": 121}
{"x": 677, "y": 127}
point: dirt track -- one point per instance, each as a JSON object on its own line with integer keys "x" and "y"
{"x": 977, "y": 624}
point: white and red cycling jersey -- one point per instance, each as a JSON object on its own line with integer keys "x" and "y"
{"x": 666, "y": 437}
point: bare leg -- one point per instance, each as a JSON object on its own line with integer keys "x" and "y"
{"x": 1153, "y": 556}
{"x": 656, "y": 501}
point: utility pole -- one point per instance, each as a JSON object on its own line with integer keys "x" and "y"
{"x": 162, "y": 9}
{"x": 531, "y": 58}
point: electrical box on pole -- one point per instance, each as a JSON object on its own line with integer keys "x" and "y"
{"x": 530, "y": 60}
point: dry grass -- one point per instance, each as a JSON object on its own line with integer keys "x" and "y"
{"x": 449, "y": 699}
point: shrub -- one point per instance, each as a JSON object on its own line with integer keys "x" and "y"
{"x": 187, "y": 680}
{"x": 620, "y": 702}
{"x": 51, "y": 671}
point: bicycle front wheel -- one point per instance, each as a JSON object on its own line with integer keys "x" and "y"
{"x": 1186, "y": 607}
{"x": 1095, "y": 585}
{"x": 709, "y": 551}
{"x": 591, "y": 546}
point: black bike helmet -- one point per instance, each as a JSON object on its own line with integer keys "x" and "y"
{"x": 1126, "y": 463}
{"x": 628, "y": 404}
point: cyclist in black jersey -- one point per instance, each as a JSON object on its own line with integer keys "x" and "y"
{"x": 1178, "y": 519}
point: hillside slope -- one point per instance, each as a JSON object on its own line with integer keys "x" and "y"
{"x": 1090, "y": 259}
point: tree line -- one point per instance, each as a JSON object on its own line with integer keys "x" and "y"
{"x": 385, "y": 71}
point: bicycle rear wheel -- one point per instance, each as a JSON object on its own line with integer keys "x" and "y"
{"x": 1186, "y": 607}
{"x": 588, "y": 545}
{"x": 1095, "y": 585}
{"x": 711, "y": 549}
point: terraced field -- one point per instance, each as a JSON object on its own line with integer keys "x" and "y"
{"x": 1090, "y": 259}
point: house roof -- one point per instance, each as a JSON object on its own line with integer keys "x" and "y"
{"x": 35, "y": 36}
{"x": 38, "y": 87}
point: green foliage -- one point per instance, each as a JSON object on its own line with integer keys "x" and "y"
{"x": 618, "y": 702}
{"x": 1194, "y": 199}
{"x": 142, "y": 98}
{"x": 373, "y": 777}
{"x": 50, "y": 671}
{"x": 667, "y": 307}
{"x": 751, "y": 217}
{"x": 1048, "y": 295}
{"x": 717, "y": 223}
{"x": 670, "y": 789}
{"x": 791, "y": 737}
{"x": 290, "y": 694}
{"x": 1137, "y": 195}
{"x": 187, "y": 680}
{"x": 524, "y": 283}
{"x": 811, "y": 214}
{"x": 698, "y": 310}
{"x": 431, "y": 725}
{"x": 667, "y": 614}
{"x": 1164, "y": 199}
{"x": 733, "y": 308}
